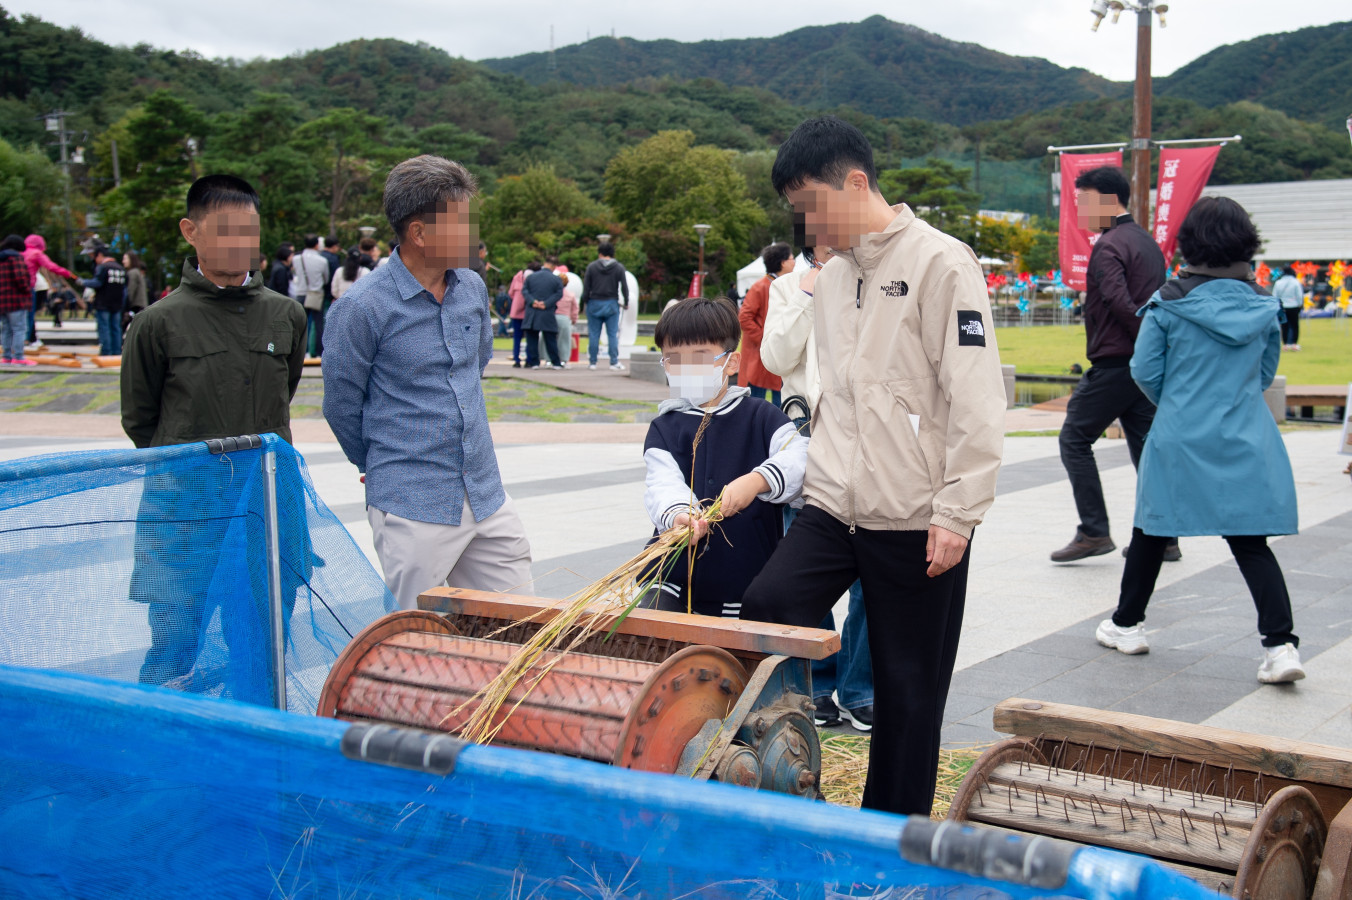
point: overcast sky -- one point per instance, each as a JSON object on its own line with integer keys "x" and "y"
{"x": 1054, "y": 29}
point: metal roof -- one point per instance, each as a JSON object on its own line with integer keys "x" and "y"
{"x": 1298, "y": 220}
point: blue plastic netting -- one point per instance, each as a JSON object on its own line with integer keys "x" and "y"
{"x": 151, "y": 566}
{"x": 122, "y": 790}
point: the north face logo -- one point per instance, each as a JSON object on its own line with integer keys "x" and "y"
{"x": 896, "y": 289}
{"x": 270, "y": 348}
{"x": 971, "y": 330}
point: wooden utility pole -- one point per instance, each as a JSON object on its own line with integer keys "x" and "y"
{"x": 1140, "y": 122}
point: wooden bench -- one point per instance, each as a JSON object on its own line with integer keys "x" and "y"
{"x": 1306, "y": 397}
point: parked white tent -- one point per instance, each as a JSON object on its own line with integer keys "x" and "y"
{"x": 756, "y": 271}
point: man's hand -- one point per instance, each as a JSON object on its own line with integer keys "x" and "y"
{"x": 808, "y": 280}
{"x": 699, "y": 526}
{"x": 538, "y": 304}
{"x": 738, "y": 495}
{"x": 944, "y": 550}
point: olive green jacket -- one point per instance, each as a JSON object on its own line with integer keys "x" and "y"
{"x": 208, "y": 362}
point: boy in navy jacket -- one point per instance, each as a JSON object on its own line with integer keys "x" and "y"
{"x": 748, "y": 451}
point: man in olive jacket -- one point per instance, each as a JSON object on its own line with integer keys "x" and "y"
{"x": 222, "y": 355}
{"x": 219, "y": 357}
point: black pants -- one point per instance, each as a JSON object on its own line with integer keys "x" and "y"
{"x": 532, "y": 339}
{"x": 1290, "y": 326}
{"x": 1261, "y": 571}
{"x": 1101, "y": 396}
{"x": 914, "y": 622}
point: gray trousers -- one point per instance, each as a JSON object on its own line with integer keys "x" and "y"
{"x": 492, "y": 555}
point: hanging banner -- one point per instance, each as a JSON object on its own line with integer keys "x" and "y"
{"x": 1183, "y": 174}
{"x": 1075, "y": 242}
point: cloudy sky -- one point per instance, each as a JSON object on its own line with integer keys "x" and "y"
{"x": 1054, "y": 29}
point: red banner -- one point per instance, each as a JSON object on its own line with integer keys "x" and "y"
{"x": 696, "y": 287}
{"x": 1183, "y": 174}
{"x": 1076, "y": 242}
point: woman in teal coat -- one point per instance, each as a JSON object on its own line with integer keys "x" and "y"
{"x": 1214, "y": 461}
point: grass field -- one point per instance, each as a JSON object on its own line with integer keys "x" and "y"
{"x": 1325, "y": 356}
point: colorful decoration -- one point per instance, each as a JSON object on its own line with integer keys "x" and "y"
{"x": 1338, "y": 272}
{"x": 1263, "y": 275}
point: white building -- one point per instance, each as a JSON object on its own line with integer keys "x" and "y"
{"x": 1298, "y": 220}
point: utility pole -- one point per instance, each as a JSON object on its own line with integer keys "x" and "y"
{"x": 56, "y": 121}
{"x": 1140, "y": 118}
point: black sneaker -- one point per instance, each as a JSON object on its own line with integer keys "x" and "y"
{"x": 861, "y": 717}
{"x": 827, "y": 714}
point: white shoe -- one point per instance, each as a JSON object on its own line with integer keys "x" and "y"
{"x": 592, "y": 366}
{"x": 616, "y": 367}
{"x": 36, "y": 345}
{"x": 1280, "y": 665}
{"x": 1125, "y": 640}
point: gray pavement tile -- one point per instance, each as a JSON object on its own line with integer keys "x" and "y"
{"x": 961, "y": 706}
{"x": 1073, "y": 643}
{"x": 1186, "y": 698}
{"x": 597, "y": 418}
{"x": 1223, "y": 666}
{"x": 1019, "y": 667}
{"x": 73, "y": 402}
{"x": 977, "y": 681}
{"x": 957, "y": 733}
{"x": 1080, "y": 692}
{"x": 109, "y": 380}
{"x": 109, "y": 409}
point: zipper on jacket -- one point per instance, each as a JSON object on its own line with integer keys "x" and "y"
{"x": 859, "y": 294}
{"x": 854, "y": 407}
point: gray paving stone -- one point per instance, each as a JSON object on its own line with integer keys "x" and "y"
{"x": 597, "y": 418}
{"x": 73, "y": 402}
{"x": 1222, "y": 666}
{"x": 1077, "y": 643}
{"x": 109, "y": 380}
{"x": 961, "y": 706}
{"x": 961, "y": 733}
{"x": 1190, "y": 698}
{"x": 110, "y": 409}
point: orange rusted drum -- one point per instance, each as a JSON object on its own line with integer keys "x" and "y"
{"x": 412, "y": 669}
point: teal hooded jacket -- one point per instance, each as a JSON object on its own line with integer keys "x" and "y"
{"x": 1214, "y": 461}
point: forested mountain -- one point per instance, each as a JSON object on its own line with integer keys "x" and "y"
{"x": 1306, "y": 74}
{"x": 876, "y": 66}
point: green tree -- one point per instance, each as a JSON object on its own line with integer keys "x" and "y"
{"x": 533, "y": 203}
{"x": 158, "y": 164}
{"x": 349, "y": 147}
{"x": 30, "y": 190}
{"x": 937, "y": 192}
{"x": 662, "y": 187}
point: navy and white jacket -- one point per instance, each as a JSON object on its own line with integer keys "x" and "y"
{"x": 744, "y": 435}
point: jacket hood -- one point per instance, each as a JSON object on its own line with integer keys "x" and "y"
{"x": 8, "y": 253}
{"x": 35, "y": 242}
{"x": 1225, "y": 308}
{"x": 606, "y": 261}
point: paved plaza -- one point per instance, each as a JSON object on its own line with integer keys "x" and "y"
{"x": 1029, "y": 624}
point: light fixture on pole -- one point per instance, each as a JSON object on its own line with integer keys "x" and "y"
{"x": 701, "y": 230}
{"x": 1140, "y": 119}
{"x": 603, "y": 239}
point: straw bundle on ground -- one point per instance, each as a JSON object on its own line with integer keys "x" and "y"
{"x": 845, "y": 766}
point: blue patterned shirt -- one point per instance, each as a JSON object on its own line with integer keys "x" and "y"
{"x": 403, "y": 396}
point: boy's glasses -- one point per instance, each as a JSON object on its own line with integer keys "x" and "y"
{"x": 699, "y": 358}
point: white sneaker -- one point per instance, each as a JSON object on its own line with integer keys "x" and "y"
{"x": 1125, "y": 640}
{"x": 616, "y": 367}
{"x": 36, "y": 345}
{"x": 592, "y": 366}
{"x": 1280, "y": 665}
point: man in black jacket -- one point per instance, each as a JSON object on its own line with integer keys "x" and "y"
{"x": 543, "y": 290}
{"x": 110, "y": 299}
{"x": 1125, "y": 269}
{"x": 602, "y": 285}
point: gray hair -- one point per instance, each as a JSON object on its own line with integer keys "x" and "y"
{"x": 421, "y": 185}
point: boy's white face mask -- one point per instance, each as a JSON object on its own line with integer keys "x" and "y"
{"x": 697, "y": 380}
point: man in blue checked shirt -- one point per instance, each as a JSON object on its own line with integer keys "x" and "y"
{"x": 405, "y": 349}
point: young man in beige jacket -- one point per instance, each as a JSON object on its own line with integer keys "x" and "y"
{"x": 906, "y": 445}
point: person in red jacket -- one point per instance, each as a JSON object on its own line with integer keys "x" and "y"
{"x": 778, "y": 259}
{"x": 16, "y": 294}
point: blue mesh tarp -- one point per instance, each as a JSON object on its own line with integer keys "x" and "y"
{"x": 152, "y": 566}
{"x": 111, "y": 789}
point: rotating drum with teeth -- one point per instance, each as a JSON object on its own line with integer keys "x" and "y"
{"x": 413, "y": 669}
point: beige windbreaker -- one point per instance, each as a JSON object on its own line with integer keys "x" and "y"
{"x": 788, "y": 347}
{"x": 910, "y": 426}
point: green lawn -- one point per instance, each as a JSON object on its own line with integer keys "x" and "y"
{"x": 1325, "y": 356}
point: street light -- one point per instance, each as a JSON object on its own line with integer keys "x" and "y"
{"x": 1140, "y": 119}
{"x": 603, "y": 239}
{"x": 701, "y": 230}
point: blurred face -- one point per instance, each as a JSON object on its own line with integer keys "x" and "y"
{"x": 126, "y": 261}
{"x": 699, "y": 372}
{"x": 226, "y": 240}
{"x": 1095, "y": 211}
{"x": 836, "y": 217}
{"x": 450, "y": 237}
